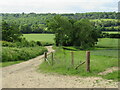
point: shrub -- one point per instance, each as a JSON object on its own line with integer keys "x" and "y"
{"x": 22, "y": 43}
{"x": 8, "y": 44}
{"x": 39, "y": 43}
{"x": 25, "y": 53}
{"x": 46, "y": 43}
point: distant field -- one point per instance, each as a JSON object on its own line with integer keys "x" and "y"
{"x": 110, "y": 32}
{"x": 104, "y": 20}
{"x": 40, "y": 37}
{"x": 108, "y": 43}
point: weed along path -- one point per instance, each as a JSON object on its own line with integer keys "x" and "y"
{"x": 25, "y": 75}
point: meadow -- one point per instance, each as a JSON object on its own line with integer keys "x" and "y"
{"x": 43, "y": 38}
{"x": 100, "y": 61}
{"x": 104, "y": 55}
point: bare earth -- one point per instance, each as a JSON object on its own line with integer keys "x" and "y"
{"x": 24, "y": 75}
{"x": 109, "y": 70}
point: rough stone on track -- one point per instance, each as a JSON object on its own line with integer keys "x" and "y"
{"x": 24, "y": 75}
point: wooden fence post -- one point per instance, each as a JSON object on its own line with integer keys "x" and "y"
{"x": 72, "y": 56}
{"x": 52, "y": 58}
{"x": 88, "y": 61}
{"x": 45, "y": 56}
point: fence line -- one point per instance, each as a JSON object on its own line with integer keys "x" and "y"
{"x": 52, "y": 58}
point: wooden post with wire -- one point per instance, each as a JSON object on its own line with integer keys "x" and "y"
{"x": 52, "y": 58}
{"x": 88, "y": 61}
{"x": 45, "y": 56}
{"x": 72, "y": 60}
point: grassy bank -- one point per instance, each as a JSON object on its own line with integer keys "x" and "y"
{"x": 15, "y": 54}
{"x": 102, "y": 57}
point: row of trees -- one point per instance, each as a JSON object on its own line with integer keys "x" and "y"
{"x": 10, "y": 32}
{"x": 90, "y": 15}
{"x": 36, "y": 23}
{"x": 68, "y": 32}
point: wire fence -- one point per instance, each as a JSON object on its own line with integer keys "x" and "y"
{"x": 67, "y": 59}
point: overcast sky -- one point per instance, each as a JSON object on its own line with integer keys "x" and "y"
{"x": 58, "y": 6}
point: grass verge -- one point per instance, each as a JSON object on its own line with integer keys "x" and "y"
{"x": 4, "y": 64}
{"x": 114, "y": 76}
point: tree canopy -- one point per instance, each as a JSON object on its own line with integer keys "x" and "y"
{"x": 71, "y": 32}
{"x": 10, "y": 32}
{"x": 36, "y": 23}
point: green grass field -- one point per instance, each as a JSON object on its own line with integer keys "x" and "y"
{"x": 107, "y": 43}
{"x": 40, "y": 37}
{"x": 109, "y": 32}
{"x": 104, "y": 56}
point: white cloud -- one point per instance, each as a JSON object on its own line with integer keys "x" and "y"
{"x": 57, "y": 6}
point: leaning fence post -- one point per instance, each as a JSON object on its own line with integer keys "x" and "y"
{"x": 52, "y": 58}
{"x": 88, "y": 61}
{"x": 72, "y": 56}
{"x": 45, "y": 56}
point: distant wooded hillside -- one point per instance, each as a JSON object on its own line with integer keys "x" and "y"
{"x": 36, "y": 23}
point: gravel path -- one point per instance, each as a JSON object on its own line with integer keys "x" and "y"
{"x": 109, "y": 70}
{"x": 24, "y": 75}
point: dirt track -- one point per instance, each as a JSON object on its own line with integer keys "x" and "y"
{"x": 24, "y": 75}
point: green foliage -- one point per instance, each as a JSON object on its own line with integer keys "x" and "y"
{"x": 10, "y": 32}
{"x": 107, "y": 24}
{"x": 25, "y": 28}
{"x": 7, "y": 44}
{"x": 22, "y": 43}
{"x": 69, "y": 32}
{"x": 17, "y": 54}
{"x": 36, "y": 23}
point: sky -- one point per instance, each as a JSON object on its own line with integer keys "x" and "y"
{"x": 58, "y": 6}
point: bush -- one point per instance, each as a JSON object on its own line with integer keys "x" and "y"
{"x": 39, "y": 43}
{"x": 15, "y": 54}
{"x": 22, "y": 43}
{"x": 7, "y": 44}
{"x": 46, "y": 43}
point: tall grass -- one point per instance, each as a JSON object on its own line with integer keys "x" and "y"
{"x": 25, "y": 53}
{"x": 62, "y": 63}
{"x": 102, "y": 57}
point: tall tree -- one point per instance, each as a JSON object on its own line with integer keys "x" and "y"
{"x": 70, "y": 32}
{"x": 10, "y": 32}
